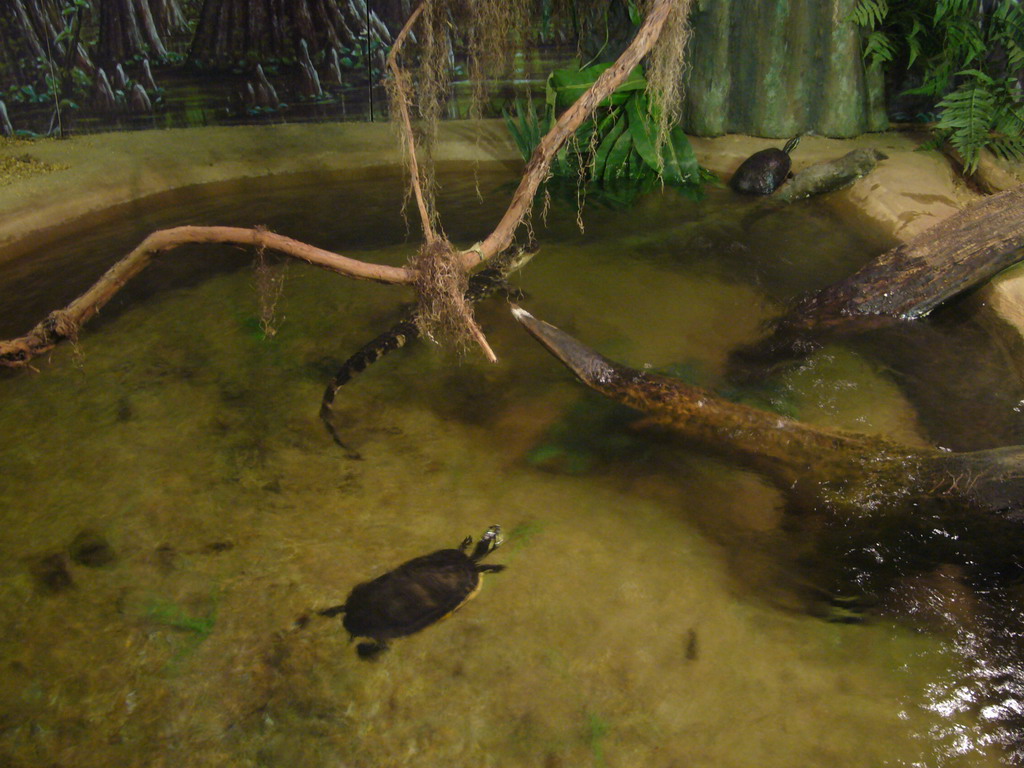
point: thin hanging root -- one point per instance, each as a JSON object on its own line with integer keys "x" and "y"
{"x": 269, "y": 283}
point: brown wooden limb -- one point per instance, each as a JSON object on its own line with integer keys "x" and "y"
{"x": 401, "y": 84}
{"x": 945, "y": 260}
{"x": 907, "y": 282}
{"x": 537, "y": 168}
{"x": 65, "y": 323}
{"x": 816, "y": 467}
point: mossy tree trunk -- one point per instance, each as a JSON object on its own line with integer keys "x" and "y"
{"x": 778, "y": 69}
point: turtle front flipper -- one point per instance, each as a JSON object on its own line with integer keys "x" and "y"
{"x": 490, "y": 568}
{"x": 334, "y": 611}
{"x": 372, "y": 650}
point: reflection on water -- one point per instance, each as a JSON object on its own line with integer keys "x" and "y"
{"x": 171, "y": 505}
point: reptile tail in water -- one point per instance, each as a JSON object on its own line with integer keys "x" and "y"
{"x": 483, "y": 284}
{"x": 394, "y": 338}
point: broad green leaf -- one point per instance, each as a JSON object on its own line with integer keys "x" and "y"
{"x": 616, "y": 165}
{"x": 612, "y": 130}
{"x": 681, "y": 166}
{"x": 641, "y": 129}
{"x": 565, "y": 86}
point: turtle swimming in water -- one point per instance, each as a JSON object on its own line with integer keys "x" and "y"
{"x": 416, "y": 594}
{"x": 764, "y": 171}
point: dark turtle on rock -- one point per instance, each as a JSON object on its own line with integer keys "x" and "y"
{"x": 764, "y": 171}
{"x": 416, "y": 594}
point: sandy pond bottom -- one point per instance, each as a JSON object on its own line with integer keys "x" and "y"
{"x": 653, "y": 611}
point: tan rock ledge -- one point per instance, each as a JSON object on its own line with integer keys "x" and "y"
{"x": 102, "y": 170}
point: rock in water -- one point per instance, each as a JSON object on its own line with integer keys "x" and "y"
{"x": 830, "y": 175}
{"x": 51, "y": 573}
{"x": 91, "y": 549}
{"x": 764, "y": 171}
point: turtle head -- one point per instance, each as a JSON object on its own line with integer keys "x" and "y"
{"x": 489, "y": 542}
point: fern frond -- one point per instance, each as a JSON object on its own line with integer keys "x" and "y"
{"x": 879, "y": 48}
{"x": 914, "y": 45}
{"x": 869, "y": 13}
{"x": 1008, "y": 147}
{"x": 953, "y": 9}
{"x": 967, "y": 116}
{"x": 1007, "y": 30}
{"x": 964, "y": 42}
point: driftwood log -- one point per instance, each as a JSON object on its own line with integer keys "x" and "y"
{"x": 906, "y": 282}
{"x": 830, "y": 175}
{"x": 817, "y": 468}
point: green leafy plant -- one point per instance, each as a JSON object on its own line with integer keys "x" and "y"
{"x": 966, "y": 61}
{"x": 194, "y": 629}
{"x": 613, "y": 153}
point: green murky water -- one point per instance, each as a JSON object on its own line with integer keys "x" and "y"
{"x": 657, "y": 608}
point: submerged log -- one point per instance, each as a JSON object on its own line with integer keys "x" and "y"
{"x": 816, "y": 467}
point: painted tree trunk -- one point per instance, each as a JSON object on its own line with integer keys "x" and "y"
{"x": 28, "y": 34}
{"x": 779, "y": 69}
{"x": 120, "y": 33}
{"x": 234, "y": 29}
{"x": 167, "y": 16}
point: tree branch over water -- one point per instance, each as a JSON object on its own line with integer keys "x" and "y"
{"x": 66, "y": 323}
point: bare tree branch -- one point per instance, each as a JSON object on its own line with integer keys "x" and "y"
{"x": 538, "y": 167}
{"x": 65, "y": 323}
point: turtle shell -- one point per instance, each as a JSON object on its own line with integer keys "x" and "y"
{"x": 764, "y": 171}
{"x": 412, "y": 596}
